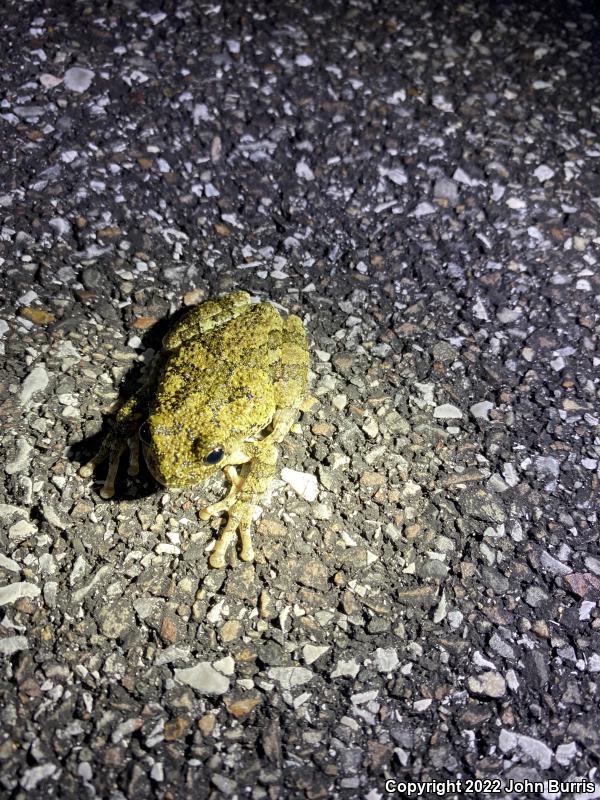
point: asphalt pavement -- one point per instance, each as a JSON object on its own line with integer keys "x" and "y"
{"x": 417, "y": 181}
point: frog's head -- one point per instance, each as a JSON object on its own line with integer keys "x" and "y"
{"x": 186, "y": 441}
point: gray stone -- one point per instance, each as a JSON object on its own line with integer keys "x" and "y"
{"x": 386, "y": 660}
{"x": 289, "y": 677}
{"x": 204, "y": 678}
{"x": 78, "y": 79}
{"x": 480, "y": 505}
{"x": 116, "y": 618}
{"x": 488, "y": 684}
{"x": 21, "y": 460}
{"x": 447, "y": 411}
{"x": 14, "y": 591}
{"x": 35, "y": 382}
{"x": 446, "y": 189}
{"x": 501, "y": 647}
{"x": 13, "y": 644}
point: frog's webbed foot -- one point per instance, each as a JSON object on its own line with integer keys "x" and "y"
{"x": 239, "y": 519}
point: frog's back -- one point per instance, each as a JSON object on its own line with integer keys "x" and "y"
{"x": 247, "y": 337}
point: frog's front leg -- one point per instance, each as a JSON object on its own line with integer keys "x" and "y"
{"x": 261, "y": 460}
{"x": 122, "y": 436}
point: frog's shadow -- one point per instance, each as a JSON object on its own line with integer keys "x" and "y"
{"x": 80, "y": 452}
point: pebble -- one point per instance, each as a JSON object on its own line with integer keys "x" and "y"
{"x": 225, "y": 665}
{"x": 303, "y": 483}
{"x": 9, "y": 564}
{"x": 553, "y": 565}
{"x": 21, "y": 460}
{"x": 371, "y": 428}
{"x": 481, "y": 410}
{"x": 35, "y": 775}
{"x": 446, "y": 189}
{"x": 290, "y": 677}
{"x": 424, "y": 209}
{"x": 426, "y": 390}
{"x": 385, "y": 660}
{"x": 534, "y": 749}
{"x": 78, "y": 79}
{"x": 311, "y": 652}
{"x": 543, "y": 173}
{"x": 363, "y": 697}
{"x": 487, "y": 684}
{"x": 509, "y": 473}
{"x": 565, "y": 753}
{"x": 49, "y": 81}
{"x": 344, "y": 668}
{"x": 304, "y": 171}
{"x": 501, "y": 647}
{"x": 340, "y": 401}
{"x": 126, "y": 728}
{"x": 396, "y": 175}
{"x": 15, "y": 591}
{"x": 479, "y": 504}
{"x": 13, "y": 644}
{"x": 422, "y": 705}
{"x": 204, "y": 678}
{"x": 447, "y": 411}
{"x": 35, "y": 382}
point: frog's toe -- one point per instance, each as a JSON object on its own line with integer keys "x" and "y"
{"x": 87, "y": 470}
{"x": 108, "y": 489}
{"x": 239, "y": 520}
{"x": 134, "y": 456}
{"x": 218, "y": 508}
{"x": 217, "y": 557}
{"x": 247, "y": 550}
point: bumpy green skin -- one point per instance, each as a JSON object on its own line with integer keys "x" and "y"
{"x": 231, "y": 377}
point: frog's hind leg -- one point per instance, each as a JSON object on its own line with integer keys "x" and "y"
{"x": 205, "y": 317}
{"x": 291, "y": 378}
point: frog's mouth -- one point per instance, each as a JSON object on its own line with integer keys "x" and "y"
{"x": 150, "y": 460}
{"x": 174, "y": 482}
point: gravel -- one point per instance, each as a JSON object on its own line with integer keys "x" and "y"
{"x": 419, "y": 184}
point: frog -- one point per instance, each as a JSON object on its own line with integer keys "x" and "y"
{"x": 222, "y": 394}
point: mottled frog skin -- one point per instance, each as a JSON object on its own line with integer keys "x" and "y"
{"x": 225, "y": 391}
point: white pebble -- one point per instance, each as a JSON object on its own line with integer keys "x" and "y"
{"x": 303, "y": 483}
{"x": 304, "y": 171}
{"x": 49, "y": 81}
{"x": 481, "y": 410}
{"x": 447, "y": 411}
{"x": 423, "y": 209}
{"x": 543, "y": 173}
{"x": 78, "y": 79}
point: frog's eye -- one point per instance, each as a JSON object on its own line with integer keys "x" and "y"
{"x": 145, "y": 433}
{"x": 214, "y": 456}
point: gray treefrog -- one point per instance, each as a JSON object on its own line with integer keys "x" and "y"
{"x": 225, "y": 390}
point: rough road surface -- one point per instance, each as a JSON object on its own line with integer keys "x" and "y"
{"x": 419, "y": 182}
